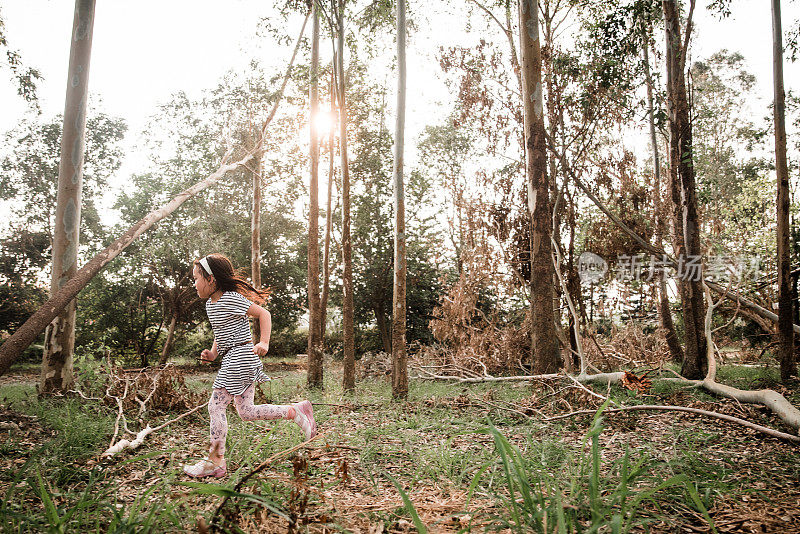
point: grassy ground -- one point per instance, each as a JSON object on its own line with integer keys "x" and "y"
{"x": 451, "y": 458}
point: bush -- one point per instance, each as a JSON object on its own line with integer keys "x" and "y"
{"x": 366, "y": 340}
{"x": 288, "y": 343}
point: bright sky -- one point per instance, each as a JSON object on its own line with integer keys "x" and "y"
{"x": 146, "y": 50}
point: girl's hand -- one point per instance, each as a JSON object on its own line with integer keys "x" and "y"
{"x": 261, "y": 348}
{"x": 207, "y": 356}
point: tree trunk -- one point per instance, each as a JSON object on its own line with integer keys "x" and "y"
{"x": 326, "y": 268}
{"x": 349, "y": 363}
{"x": 36, "y": 323}
{"x": 662, "y": 304}
{"x": 573, "y": 291}
{"x": 383, "y": 329}
{"x": 785, "y": 331}
{"x": 255, "y": 222}
{"x": 56, "y": 373}
{"x": 686, "y": 237}
{"x": 399, "y": 356}
{"x": 170, "y": 339}
{"x": 314, "y": 328}
{"x": 544, "y": 343}
{"x": 255, "y": 236}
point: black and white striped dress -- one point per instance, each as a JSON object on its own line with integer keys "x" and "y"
{"x": 240, "y": 367}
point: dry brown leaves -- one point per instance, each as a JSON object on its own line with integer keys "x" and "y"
{"x": 639, "y": 384}
{"x": 153, "y": 389}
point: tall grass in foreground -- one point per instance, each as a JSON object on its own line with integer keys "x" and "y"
{"x": 536, "y": 500}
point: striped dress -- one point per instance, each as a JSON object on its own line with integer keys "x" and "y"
{"x": 240, "y": 367}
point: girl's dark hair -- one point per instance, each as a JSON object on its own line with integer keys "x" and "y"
{"x": 228, "y": 279}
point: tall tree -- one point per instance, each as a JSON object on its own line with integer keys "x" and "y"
{"x": 399, "y": 361}
{"x": 326, "y": 255}
{"x": 664, "y": 311}
{"x": 315, "y": 317}
{"x": 349, "y": 373}
{"x": 544, "y": 343}
{"x": 685, "y": 223}
{"x": 785, "y": 329}
{"x": 253, "y": 137}
{"x": 56, "y": 374}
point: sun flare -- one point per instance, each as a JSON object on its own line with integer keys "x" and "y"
{"x": 324, "y": 122}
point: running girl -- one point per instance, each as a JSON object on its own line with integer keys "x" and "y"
{"x": 228, "y": 307}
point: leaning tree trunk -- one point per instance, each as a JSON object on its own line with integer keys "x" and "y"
{"x": 170, "y": 339}
{"x": 663, "y": 307}
{"x": 399, "y": 356}
{"x": 349, "y": 363}
{"x": 11, "y": 349}
{"x": 314, "y": 376}
{"x": 682, "y": 180}
{"x": 785, "y": 331}
{"x": 56, "y": 373}
{"x": 544, "y": 343}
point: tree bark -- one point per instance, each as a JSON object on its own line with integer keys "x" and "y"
{"x": 399, "y": 356}
{"x": 255, "y": 222}
{"x": 544, "y": 343}
{"x": 349, "y": 363}
{"x": 36, "y": 323}
{"x": 255, "y": 236}
{"x": 383, "y": 329}
{"x": 56, "y": 372}
{"x": 314, "y": 326}
{"x": 170, "y": 339}
{"x": 686, "y": 230}
{"x": 785, "y": 332}
{"x": 662, "y": 305}
{"x": 326, "y": 268}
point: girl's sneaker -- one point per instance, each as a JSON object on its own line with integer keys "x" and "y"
{"x": 304, "y": 417}
{"x": 205, "y": 468}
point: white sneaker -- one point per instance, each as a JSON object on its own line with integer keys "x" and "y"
{"x": 205, "y": 468}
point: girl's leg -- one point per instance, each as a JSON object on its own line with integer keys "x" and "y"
{"x": 214, "y": 465}
{"x": 220, "y": 399}
{"x": 301, "y": 413}
{"x": 249, "y": 411}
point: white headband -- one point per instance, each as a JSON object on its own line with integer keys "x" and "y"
{"x": 204, "y": 263}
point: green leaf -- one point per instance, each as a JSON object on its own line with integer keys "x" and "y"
{"x": 421, "y": 528}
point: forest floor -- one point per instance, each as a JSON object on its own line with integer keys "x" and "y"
{"x": 644, "y": 471}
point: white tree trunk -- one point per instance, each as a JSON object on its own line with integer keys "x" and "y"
{"x": 399, "y": 357}
{"x": 56, "y": 373}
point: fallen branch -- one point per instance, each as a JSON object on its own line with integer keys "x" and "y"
{"x": 124, "y": 443}
{"x": 773, "y": 400}
{"x": 706, "y": 413}
{"x": 480, "y": 379}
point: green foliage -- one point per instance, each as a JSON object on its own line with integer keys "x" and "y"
{"x": 26, "y": 77}
{"x": 29, "y": 173}
{"x": 288, "y": 343}
{"x": 538, "y": 501}
{"x": 409, "y": 506}
{"x": 735, "y": 191}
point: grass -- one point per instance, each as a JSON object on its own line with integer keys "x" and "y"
{"x": 437, "y": 461}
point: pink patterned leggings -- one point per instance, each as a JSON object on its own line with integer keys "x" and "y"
{"x": 220, "y": 399}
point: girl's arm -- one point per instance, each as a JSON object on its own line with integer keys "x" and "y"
{"x": 265, "y": 322}
{"x": 209, "y": 355}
